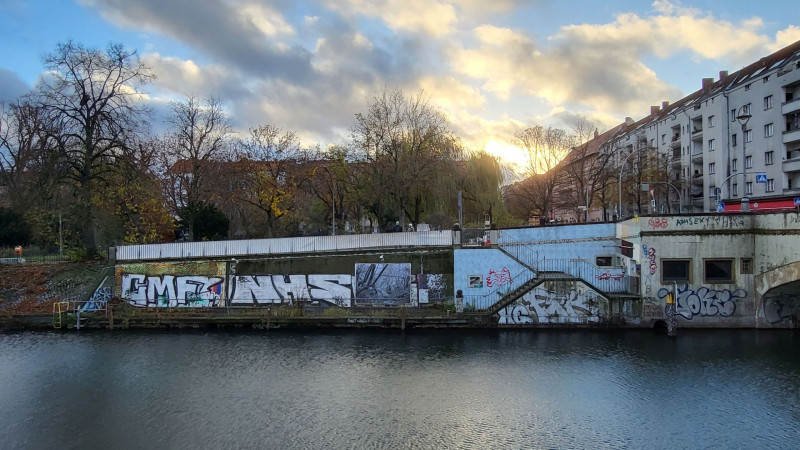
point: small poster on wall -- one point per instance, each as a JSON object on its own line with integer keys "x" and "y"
{"x": 475, "y": 281}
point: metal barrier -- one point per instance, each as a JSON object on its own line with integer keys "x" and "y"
{"x": 312, "y": 244}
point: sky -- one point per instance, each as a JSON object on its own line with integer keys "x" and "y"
{"x": 494, "y": 67}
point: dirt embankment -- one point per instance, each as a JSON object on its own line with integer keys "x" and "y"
{"x": 32, "y": 288}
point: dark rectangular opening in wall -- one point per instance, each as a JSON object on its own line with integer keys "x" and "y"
{"x": 718, "y": 270}
{"x": 675, "y": 270}
{"x": 604, "y": 261}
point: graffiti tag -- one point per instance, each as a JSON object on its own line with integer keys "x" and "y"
{"x": 658, "y": 222}
{"x": 704, "y": 302}
{"x": 607, "y": 275}
{"x": 543, "y": 306}
{"x": 498, "y": 278}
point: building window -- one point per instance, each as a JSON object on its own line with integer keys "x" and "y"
{"x": 766, "y": 78}
{"x": 746, "y": 265}
{"x": 735, "y": 190}
{"x": 747, "y": 87}
{"x": 748, "y": 188}
{"x": 768, "y": 130}
{"x": 675, "y": 270}
{"x": 711, "y": 145}
{"x": 710, "y": 121}
{"x": 768, "y": 158}
{"x": 718, "y": 270}
{"x": 712, "y": 191}
{"x": 748, "y": 136}
{"x": 746, "y": 109}
{"x": 748, "y": 162}
{"x": 733, "y": 140}
{"x": 767, "y": 102}
{"x": 771, "y": 185}
{"x": 712, "y": 168}
{"x": 733, "y": 115}
{"x": 734, "y": 164}
{"x": 604, "y": 261}
{"x": 663, "y": 138}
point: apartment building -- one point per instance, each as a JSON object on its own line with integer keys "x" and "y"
{"x": 732, "y": 145}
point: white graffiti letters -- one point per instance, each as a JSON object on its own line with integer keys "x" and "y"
{"x": 705, "y": 302}
{"x": 572, "y": 306}
{"x": 168, "y": 290}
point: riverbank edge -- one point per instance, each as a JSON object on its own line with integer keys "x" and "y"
{"x": 269, "y": 319}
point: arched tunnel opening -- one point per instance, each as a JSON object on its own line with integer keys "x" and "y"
{"x": 780, "y": 306}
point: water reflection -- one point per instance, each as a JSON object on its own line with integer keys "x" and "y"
{"x": 347, "y": 389}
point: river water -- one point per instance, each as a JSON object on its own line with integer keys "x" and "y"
{"x": 425, "y": 390}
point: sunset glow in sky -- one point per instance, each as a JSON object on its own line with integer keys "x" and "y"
{"x": 494, "y": 67}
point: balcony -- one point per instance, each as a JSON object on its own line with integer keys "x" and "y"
{"x": 791, "y": 106}
{"x": 791, "y": 136}
{"x": 791, "y": 165}
{"x": 697, "y": 155}
{"x": 697, "y": 132}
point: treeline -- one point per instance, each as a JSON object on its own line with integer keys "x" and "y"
{"x": 82, "y": 169}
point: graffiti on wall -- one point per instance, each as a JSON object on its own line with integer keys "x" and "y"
{"x": 652, "y": 308}
{"x": 721, "y": 221}
{"x": 171, "y": 290}
{"x": 704, "y": 302}
{"x": 498, "y": 278}
{"x": 616, "y": 275}
{"x": 288, "y": 289}
{"x": 651, "y": 267}
{"x": 383, "y": 284}
{"x": 545, "y": 306}
{"x": 781, "y": 308}
{"x": 99, "y": 299}
{"x": 256, "y": 290}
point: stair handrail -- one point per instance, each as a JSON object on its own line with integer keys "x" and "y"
{"x": 485, "y": 300}
{"x": 601, "y": 279}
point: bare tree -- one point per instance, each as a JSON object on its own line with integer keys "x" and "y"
{"x": 192, "y": 150}
{"x": 587, "y": 171}
{"x": 405, "y": 141}
{"x": 91, "y": 98}
{"x": 28, "y": 161}
{"x": 274, "y": 169}
{"x": 545, "y": 147}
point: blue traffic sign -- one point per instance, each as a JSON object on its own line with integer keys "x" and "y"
{"x": 761, "y": 178}
{"x": 797, "y": 201}
{"x": 720, "y": 207}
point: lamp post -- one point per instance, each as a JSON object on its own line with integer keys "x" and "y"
{"x": 619, "y": 184}
{"x": 743, "y": 117}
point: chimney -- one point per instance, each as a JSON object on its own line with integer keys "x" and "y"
{"x": 629, "y": 121}
{"x": 654, "y": 110}
{"x": 595, "y": 133}
{"x": 707, "y": 82}
{"x": 723, "y": 74}
{"x": 664, "y": 106}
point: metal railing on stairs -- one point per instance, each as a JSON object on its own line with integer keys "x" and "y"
{"x": 483, "y": 302}
{"x": 605, "y": 280}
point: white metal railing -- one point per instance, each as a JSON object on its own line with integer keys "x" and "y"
{"x": 312, "y": 244}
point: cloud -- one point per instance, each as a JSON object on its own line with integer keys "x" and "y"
{"x": 599, "y": 67}
{"x": 434, "y": 18}
{"x": 228, "y": 31}
{"x": 11, "y": 86}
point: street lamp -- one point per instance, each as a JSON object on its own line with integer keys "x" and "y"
{"x": 619, "y": 184}
{"x": 743, "y": 117}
